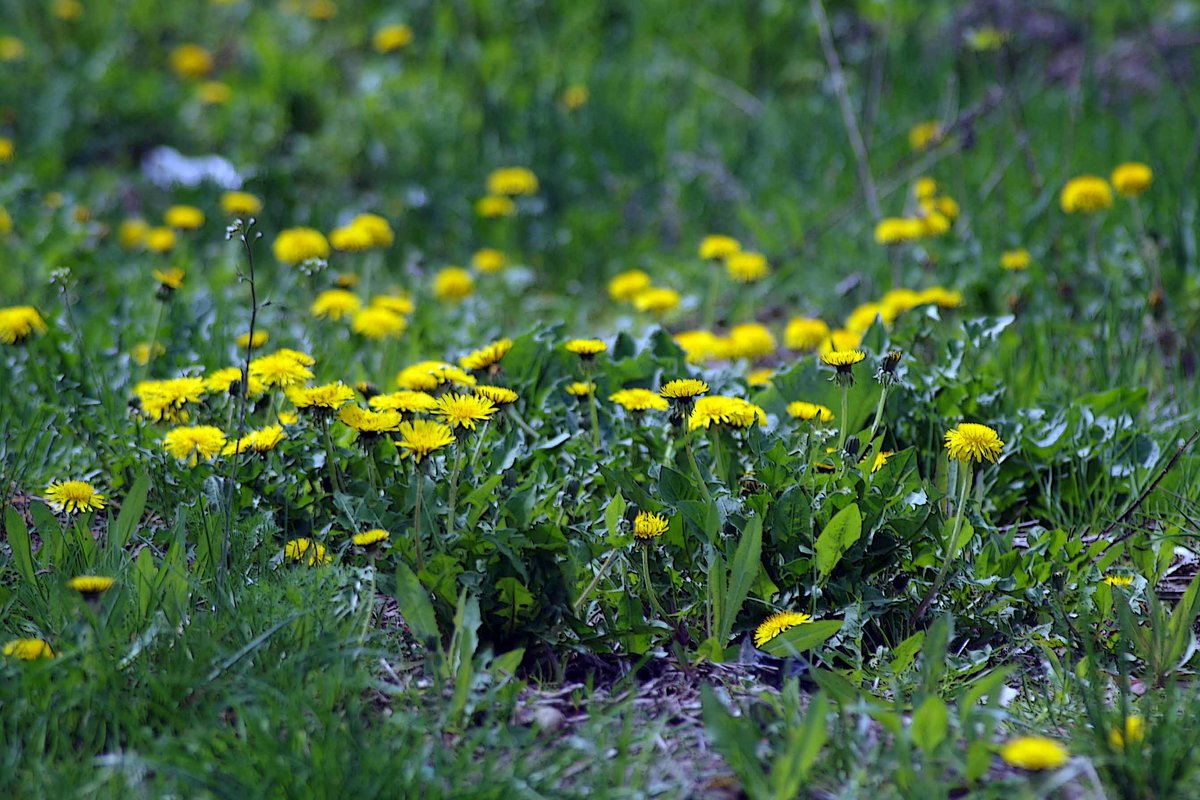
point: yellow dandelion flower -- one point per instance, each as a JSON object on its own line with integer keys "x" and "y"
{"x": 214, "y": 93}
{"x": 1015, "y": 260}
{"x": 240, "y": 204}
{"x": 1034, "y": 753}
{"x": 574, "y": 97}
{"x": 1119, "y": 580}
{"x": 489, "y": 260}
{"x": 28, "y": 649}
{"x": 11, "y": 48}
{"x": 1132, "y": 179}
{"x": 184, "y": 218}
{"x": 260, "y": 441}
{"x": 776, "y": 624}
{"x": 924, "y": 135}
{"x": 1086, "y": 194}
{"x": 881, "y": 458}
{"x": 169, "y": 279}
{"x": 805, "y": 333}
{"x": 586, "y": 348}
{"x": 165, "y": 399}
{"x": 683, "y": 389}
{"x": 335, "y": 304}
{"x": 400, "y": 302}
{"x": 986, "y": 38}
{"x": 91, "y": 585}
{"x": 760, "y": 377}
{"x": 369, "y": 424}
{"x": 698, "y": 346}
{"x": 391, "y": 38}
{"x": 972, "y": 442}
{"x": 377, "y": 227}
{"x": 425, "y": 376}
{"x": 453, "y": 284}
{"x": 627, "y": 285}
{"x": 486, "y": 357}
{"x": 732, "y": 411}
{"x": 464, "y": 410}
{"x": 941, "y": 297}
{"x": 580, "y": 389}
{"x": 925, "y": 188}
{"x": 717, "y": 247}
{"x": 747, "y": 267}
{"x": 750, "y": 341}
{"x": 862, "y": 318}
{"x": 647, "y": 525}
{"x": 495, "y": 206}
{"x": 193, "y": 443}
{"x": 159, "y": 240}
{"x": 498, "y": 395}
{"x": 18, "y": 323}
{"x": 350, "y": 239}
{"x": 371, "y": 537}
{"x": 1134, "y": 732}
{"x": 140, "y": 353}
{"x": 73, "y": 497}
{"x": 422, "y": 438}
{"x": 657, "y": 301}
{"x": 638, "y": 400}
{"x": 321, "y": 399}
{"x": 221, "y": 382}
{"x": 898, "y": 230}
{"x": 807, "y": 412}
{"x": 131, "y": 233}
{"x": 191, "y": 61}
{"x": 404, "y": 402}
{"x": 512, "y": 181}
{"x": 306, "y": 551}
{"x": 280, "y": 369}
{"x": 296, "y": 245}
{"x": 260, "y": 338}
{"x": 321, "y": 10}
{"x": 377, "y": 322}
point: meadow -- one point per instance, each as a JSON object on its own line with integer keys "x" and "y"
{"x": 599, "y": 399}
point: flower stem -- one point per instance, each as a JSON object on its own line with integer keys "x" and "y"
{"x": 579, "y": 602}
{"x": 650, "y": 594}
{"x": 452, "y": 500}
{"x": 844, "y": 421}
{"x": 333, "y": 470}
{"x": 951, "y": 543}
{"x": 417, "y": 543}
{"x": 883, "y": 391}
{"x": 703, "y": 484}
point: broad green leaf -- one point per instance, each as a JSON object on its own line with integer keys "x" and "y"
{"x": 415, "y": 606}
{"x": 930, "y": 724}
{"x": 839, "y": 535}
{"x": 743, "y": 571}
{"x": 802, "y": 638}
{"x": 18, "y": 542}
{"x": 905, "y": 653}
{"x": 613, "y": 515}
{"x": 515, "y": 598}
{"x": 131, "y": 513}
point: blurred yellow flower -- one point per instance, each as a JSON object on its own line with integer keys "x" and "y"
{"x": 159, "y": 240}
{"x": 193, "y": 443}
{"x": 494, "y": 206}
{"x": 804, "y": 411}
{"x": 306, "y": 551}
{"x": 580, "y": 388}
{"x": 27, "y": 649}
{"x": 334, "y": 304}
{"x": 805, "y": 333}
{"x": 377, "y": 322}
{"x": 260, "y": 338}
{"x": 453, "y": 284}
{"x": 683, "y": 389}
{"x": 165, "y": 400}
{"x": 1086, "y": 194}
{"x": 67, "y": 10}
{"x": 488, "y": 260}
{"x": 486, "y": 357}
{"x": 132, "y": 232}
{"x": 638, "y": 400}
{"x": 898, "y": 230}
{"x": 732, "y": 411}
{"x": 750, "y": 340}
{"x": 1034, "y": 753}
{"x": 698, "y": 346}
{"x": 18, "y": 323}
{"x": 1134, "y": 732}
{"x": 320, "y": 399}
{"x": 747, "y": 267}
{"x": 429, "y": 375}
{"x": 214, "y": 93}
{"x": 656, "y": 300}
{"x": 295, "y": 245}
{"x": 191, "y": 61}
{"x": 91, "y": 585}
{"x": 512, "y": 181}
{"x": 185, "y": 218}
{"x": 371, "y": 537}
{"x": 1015, "y": 260}
{"x": 140, "y": 353}
{"x": 350, "y": 239}
{"x": 7, "y": 149}
{"x": 586, "y": 348}
{"x": 404, "y": 402}
{"x": 11, "y": 48}
{"x": 399, "y": 303}
{"x": 391, "y": 38}
{"x": 1132, "y": 179}
{"x": 628, "y": 284}
{"x": 240, "y": 204}
{"x": 717, "y": 247}
{"x": 760, "y": 377}
{"x": 575, "y": 97}
{"x": 925, "y": 188}
{"x": 924, "y": 135}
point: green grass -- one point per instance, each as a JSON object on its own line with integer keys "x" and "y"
{"x": 524, "y": 644}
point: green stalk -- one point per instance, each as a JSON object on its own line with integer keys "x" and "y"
{"x": 453, "y": 496}
{"x": 878, "y": 415}
{"x": 650, "y": 594}
{"x": 420, "y": 547}
{"x": 948, "y": 558}
{"x": 842, "y": 428}
{"x": 582, "y": 599}
{"x": 370, "y": 603}
{"x": 703, "y": 484}
{"x": 333, "y": 470}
